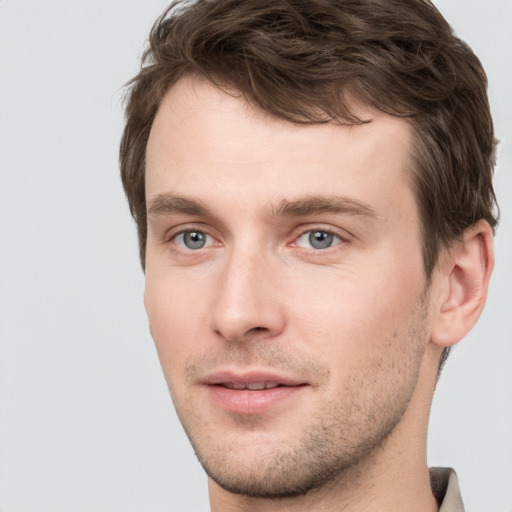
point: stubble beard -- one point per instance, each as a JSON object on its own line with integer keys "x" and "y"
{"x": 326, "y": 451}
{"x": 341, "y": 444}
{"x": 319, "y": 458}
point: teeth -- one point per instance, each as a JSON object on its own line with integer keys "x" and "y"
{"x": 256, "y": 386}
{"x": 252, "y": 386}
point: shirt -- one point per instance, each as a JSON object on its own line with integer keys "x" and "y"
{"x": 445, "y": 487}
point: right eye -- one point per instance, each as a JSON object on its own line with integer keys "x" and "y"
{"x": 193, "y": 240}
{"x": 319, "y": 239}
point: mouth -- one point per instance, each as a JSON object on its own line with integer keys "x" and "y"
{"x": 251, "y": 394}
{"x": 251, "y": 386}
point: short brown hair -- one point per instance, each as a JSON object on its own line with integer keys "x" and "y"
{"x": 296, "y": 59}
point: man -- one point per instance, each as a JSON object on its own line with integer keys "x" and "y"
{"x": 312, "y": 186}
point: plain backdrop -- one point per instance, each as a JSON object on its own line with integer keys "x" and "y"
{"x": 86, "y": 424}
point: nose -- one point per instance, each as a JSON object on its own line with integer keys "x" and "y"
{"x": 249, "y": 302}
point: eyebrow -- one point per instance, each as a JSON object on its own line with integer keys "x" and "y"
{"x": 168, "y": 204}
{"x": 329, "y": 204}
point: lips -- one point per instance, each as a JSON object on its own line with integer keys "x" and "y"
{"x": 251, "y": 393}
{"x": 242, "y": 379}
{"x": 251, "y": 386}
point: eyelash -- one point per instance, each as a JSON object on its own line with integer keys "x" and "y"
{"x": 178, "y": 239}
{"x": 335, "y": 238}
{"x": 183, "y": 233}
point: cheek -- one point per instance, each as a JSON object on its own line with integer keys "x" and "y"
{"x": 371, "y": 347}
{"x": 353, "y": 315}
{"x": 177, "y": 317}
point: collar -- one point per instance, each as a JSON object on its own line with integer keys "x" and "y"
{"x": 445, "y": 487}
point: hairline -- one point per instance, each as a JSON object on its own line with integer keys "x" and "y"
{"x": 412, "y": 176}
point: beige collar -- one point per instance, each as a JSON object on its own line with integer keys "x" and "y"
{"x": 445, "y": 487}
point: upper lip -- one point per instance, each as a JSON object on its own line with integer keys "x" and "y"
{"x": 250, "y": 377}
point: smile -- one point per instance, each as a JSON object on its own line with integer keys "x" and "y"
{"x": 252, "y": 393}
{"x": 252, "y": 386}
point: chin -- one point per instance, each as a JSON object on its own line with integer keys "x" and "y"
{"x": 283, "y": 467}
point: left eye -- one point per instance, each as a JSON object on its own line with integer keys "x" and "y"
{"x": 193, "y": 240}
{"x": 318, "y": 239}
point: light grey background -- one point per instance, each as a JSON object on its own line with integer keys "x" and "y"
{"x": 85, "y": 420}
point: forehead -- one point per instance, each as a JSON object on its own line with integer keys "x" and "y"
{"x": 205, "y": 141}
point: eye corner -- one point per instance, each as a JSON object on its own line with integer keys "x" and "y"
{"x": 317, "y": 239}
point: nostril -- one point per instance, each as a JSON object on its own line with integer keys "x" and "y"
{"x": 258, "y": 329}
{"x": 252, "y": 333}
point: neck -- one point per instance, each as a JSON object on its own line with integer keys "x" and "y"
{"x": 395, "y": 478}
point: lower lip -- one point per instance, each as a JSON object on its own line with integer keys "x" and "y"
{"x": 252, "y": 402}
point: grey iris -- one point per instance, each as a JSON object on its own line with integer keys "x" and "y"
{"x": 194, "y": 239}
{"x": 320, "y": 239}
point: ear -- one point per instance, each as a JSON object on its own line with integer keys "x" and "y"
{"x": 461, "y": 282}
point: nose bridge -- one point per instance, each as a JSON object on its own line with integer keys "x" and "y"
{"x": 245, "y": 303}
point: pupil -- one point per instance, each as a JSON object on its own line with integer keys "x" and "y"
{"x": 194, "y": 239}
{"x": 320, "y": 239}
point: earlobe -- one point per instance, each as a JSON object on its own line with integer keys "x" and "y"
{"x": 462, "y": 280}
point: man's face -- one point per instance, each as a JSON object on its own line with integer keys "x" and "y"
{"x": 284, "y": 287}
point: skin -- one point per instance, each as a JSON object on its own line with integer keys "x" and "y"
{"x": 354, "y": 324}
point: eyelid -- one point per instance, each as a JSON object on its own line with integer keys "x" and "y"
{"x": 173, "y": 233}
{"x": 339, "y": 233}
{"x": 179, "y": 239}
{"x": 336, "y": 240}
